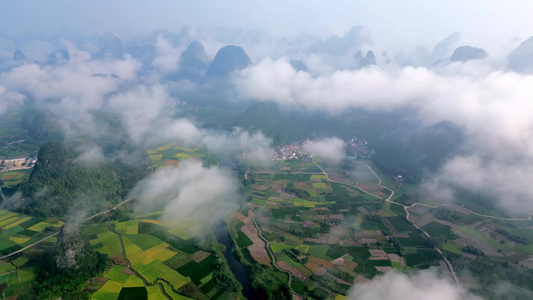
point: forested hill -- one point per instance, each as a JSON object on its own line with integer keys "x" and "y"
{"x": 59, "y": 184}
{"x": 274, "y": 123}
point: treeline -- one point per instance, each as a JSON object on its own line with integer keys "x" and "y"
{"x": 513, "y": 237}
{"x": 296, "y": 255}
{"x": 453, "y": 216}
{"x": 473, "y": 250}
{"x": 480, "y": 268}
{"x": 59, "y": 183}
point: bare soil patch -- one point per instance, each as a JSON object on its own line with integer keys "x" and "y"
{"x": 321, "y": 262}
{"x": 459, "y": 209}
{"x": 423, "y": 221}
{"x": 295, "y": 272}
{"x": 241, "y": 217}
{"x": 171, "y": 162}
{"x": 384, "y": 269}
{"x": 369, "y": 187}
{"x": 362, "y": 210}
{"x": 361, "y": 280}
{"x": 379, "y": 253}
{"x": 260, "y": 187}
{"x": 101, "y": 280}
{"x": 367, "y": 241}
{"x": 260, "y": 254}
{"x": 351, "y": 265}
{"x": 127, "y": 271}
{"x": 380, "y": 194}
{"x": 394, "y": 257}
{"x": 200, "y": 255}
{"x": 118, "y": 259}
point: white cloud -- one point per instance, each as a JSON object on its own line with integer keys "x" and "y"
{"x": 332, "y": 149}
{"x": 72, "y": 86}
{"x": 9, "y": 99}
{"x": 493, "y": 107}
{"x": 418, "y": 286}
{"x": 189, "y": 191}
{"x": 168, "y": 57}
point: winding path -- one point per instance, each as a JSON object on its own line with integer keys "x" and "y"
{"x": 450, "y": 267}
{"x": 267, "y": 245}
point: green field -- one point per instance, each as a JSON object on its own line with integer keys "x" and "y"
{"x": 319, "y": 185}
{"x": 242, "y": 240}
{"x": 12, "y": 178}
{"x": 278, "y": 247}
{"x": 436, "y": 229}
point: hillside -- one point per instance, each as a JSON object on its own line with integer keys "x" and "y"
{"x": 274, "y": 124}
{"x": 59, "y": 183}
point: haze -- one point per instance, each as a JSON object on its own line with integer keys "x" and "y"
{"x": 390, "y": 22}
{"x": 441, "y": 91}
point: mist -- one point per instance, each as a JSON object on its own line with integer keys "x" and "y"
{"x": 121, "y": 78}
{"x": 191, "y": 190}
{"x": 472, "y": 95}
{"x": 332, "y": 149}
{"x": 426, "y": 284}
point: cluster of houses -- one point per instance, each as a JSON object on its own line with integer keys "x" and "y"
{"x": 18, "y": 163}
{"x": 357, "y": 148}
{"x": 293, "y": 151}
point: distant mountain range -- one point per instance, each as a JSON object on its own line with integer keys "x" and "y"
{"x": 521, "y": 59}
{"x": 466, "y": 53}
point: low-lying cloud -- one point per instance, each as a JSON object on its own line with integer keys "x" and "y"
{"x": 418, "y": 286}
{"x": 145, "y": 114}
{"x": 493, "y": 107}
{"x": 191, "y": 190}
{"x": 332, "y": 149}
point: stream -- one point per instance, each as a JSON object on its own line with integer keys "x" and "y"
{"x": 238, "y": 270}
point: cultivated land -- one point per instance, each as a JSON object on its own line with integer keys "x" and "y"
{"x": 312, "y": 225}
{"x": 150, "y": 259}
{"x": 171, "y": 154}
{"x": 329, "y": 227}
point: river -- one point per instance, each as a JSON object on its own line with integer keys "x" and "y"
{"x": 234, "y": 264}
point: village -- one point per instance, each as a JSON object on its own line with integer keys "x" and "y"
{"x": 17, "y": 163}
{"x": 355, "y": 148}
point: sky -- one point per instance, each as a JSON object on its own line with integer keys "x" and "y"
{"x": 487, "y": 100}
{"x": 390, "y": 22}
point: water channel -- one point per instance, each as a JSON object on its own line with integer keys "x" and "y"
{"x": 238, "y": 270}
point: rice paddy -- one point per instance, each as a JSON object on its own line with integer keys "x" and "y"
{"x": 171, "y": 155}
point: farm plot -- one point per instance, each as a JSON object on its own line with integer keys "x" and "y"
{"x": 106, "y": 243}
{"x": 436, "y": 229}
{"x": 171, "y": 155}
{"x": 110, "y": 290}
{"x": 15, "y": 284}
{"x": 18, "y": 231}
{"x": 12, "y": 178}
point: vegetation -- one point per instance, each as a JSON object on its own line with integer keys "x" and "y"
{"x": 473, "y": 250}
{"x": 58, "y": 180}
{"x": 447, "y": 214}
{"x": 56, "y": 278}
{"x": 28, "y": 129}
